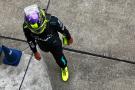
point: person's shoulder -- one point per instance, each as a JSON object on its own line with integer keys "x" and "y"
{"x": 25, "y": 27}
{"x": 49, "y": 16}
{"x": 53, "y": 20}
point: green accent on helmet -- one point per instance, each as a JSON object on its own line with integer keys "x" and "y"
{"x": 34, "y": 25}
{"x": 35, "y": 28}
{"x": 40, "y": 29}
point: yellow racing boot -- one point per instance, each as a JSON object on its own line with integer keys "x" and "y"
{"x": 65, "y": 74}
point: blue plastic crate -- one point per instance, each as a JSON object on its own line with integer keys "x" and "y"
{"x": 12, "y": 56}
{"x": 0, "y": 50}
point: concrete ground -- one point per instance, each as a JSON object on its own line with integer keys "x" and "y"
{"x": 104, "y": 27}
{"x": 92, "y": 73}
{"x": 36, "y": 78}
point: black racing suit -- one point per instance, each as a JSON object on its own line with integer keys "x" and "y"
{"x": 49, "y": 40}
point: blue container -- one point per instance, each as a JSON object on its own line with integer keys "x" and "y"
{"x": 0, "y": 50}
{"x": 12, "y": 56}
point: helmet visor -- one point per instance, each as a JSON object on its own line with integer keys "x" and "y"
{"x": 32, "y": 16}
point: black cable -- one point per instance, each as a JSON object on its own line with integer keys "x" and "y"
{"x": 26, "y": 71}
{"x": 97, "y": 55}
{"x": 13, "y": 38}
{"x": 86, "y": 53}
{"x": 47, "y": 6}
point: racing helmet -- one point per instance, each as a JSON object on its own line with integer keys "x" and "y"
{"x": 35, "y": 19}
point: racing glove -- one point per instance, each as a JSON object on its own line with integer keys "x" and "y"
{"x": 37, "y": 56}
{"x": 67, "y": 41}
{"x": 70, "y": 41}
